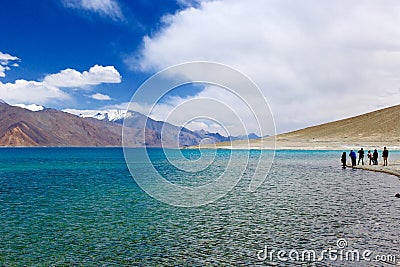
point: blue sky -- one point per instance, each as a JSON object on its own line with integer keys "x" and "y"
{"x": 49, "y": 36}
{"x": 315, "y": 61}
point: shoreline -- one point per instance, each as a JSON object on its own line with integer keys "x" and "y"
{"x": 280, "y": 143}
{"x": 392, "y": 169}
{"x": 294, "y": 148}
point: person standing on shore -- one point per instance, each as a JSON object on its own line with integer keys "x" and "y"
{"x": 344, "y": 160}
{"x": 375, "y": 157}
{"x": 369, "y": 155}
{"x": 361, "y": 156}
{"x": 385, "y": 155}
{"x": 353, "y": 157}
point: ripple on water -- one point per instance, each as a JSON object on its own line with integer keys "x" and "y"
{"x": 66, "y": 207}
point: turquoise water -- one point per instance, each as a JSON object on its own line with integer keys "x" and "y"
{"x": 80, "y": 207}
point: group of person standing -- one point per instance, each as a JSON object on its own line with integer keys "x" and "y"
{"x": 373, "y": 157}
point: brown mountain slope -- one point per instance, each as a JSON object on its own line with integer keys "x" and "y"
{"x": 49, "y": 127}
{"x": 371, "y": 130}
{"x": 377, "y": 126}
{"x": 21, "y": 134}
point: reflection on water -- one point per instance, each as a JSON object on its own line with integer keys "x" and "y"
{"x": 66, "y": 207}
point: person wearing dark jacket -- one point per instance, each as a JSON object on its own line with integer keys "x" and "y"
{"x": 353, "y": 157}
{"x": 344, "y": 160}
{"x": 375, "y": 157}
{"x": 361, "y": 156}
{"x": 385, "y": 155}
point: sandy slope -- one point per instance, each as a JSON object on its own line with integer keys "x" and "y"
{"x": 371, "y": 130}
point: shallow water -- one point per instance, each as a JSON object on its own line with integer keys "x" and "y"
{"x": 80, "y": 207}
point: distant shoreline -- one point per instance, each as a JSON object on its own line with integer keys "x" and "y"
{"x": 301, "y": 145}
{"x": 224, "y": 147}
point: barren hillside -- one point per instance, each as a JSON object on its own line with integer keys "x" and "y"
{"x": 374, "y": 129}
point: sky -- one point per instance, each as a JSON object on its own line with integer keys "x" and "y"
{"x": 314, "y": 61}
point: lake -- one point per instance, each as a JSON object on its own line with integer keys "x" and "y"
{"x": 81, "y": 207}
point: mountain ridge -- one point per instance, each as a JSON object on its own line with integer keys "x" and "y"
{"x": 50, "y": 127}
{"x": 118, "y": 116}
{"x": 19, "y": 126}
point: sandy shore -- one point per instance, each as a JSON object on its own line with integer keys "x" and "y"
{"x": 392, "y": 168}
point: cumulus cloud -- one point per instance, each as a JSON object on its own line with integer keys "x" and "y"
{"x": 2, "y": 71}
{"x": 73, "y": 78}
{"x": 106, "y": 8}
{"x": 315, "y": 61}
{"x": 50, "y": 89}
{"x": 7, "y": 60}
{"x": 30, "y": 92}
{"x": 4, "y": 57}
{"x": 99, "y": 96}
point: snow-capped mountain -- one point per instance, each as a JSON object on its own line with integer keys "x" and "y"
{"x": 51, "y": 127}
{"x": 139, "y": 120}
{"x": 113, "y": 115}
{"x": 36, "y": 125}
{"x": 31, "y": 107}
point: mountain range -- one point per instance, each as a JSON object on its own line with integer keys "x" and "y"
{"x": 20, "y": 126}
{"x": 138, "y": 120}
{"x": 49, "y": 127}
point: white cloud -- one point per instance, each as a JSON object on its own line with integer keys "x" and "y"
{"x": 2, "y": 71}
{"x": 99, "y": 96}
{"x": 50, "y": 89}
{"x": 4, "y": 57}
{"x": 315, "y": 61}
{"x": 73, "y": 78}
{"x": 105, "y": 8}
{"x": 5, "y": 61}
{"x": 30, "y": 92}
